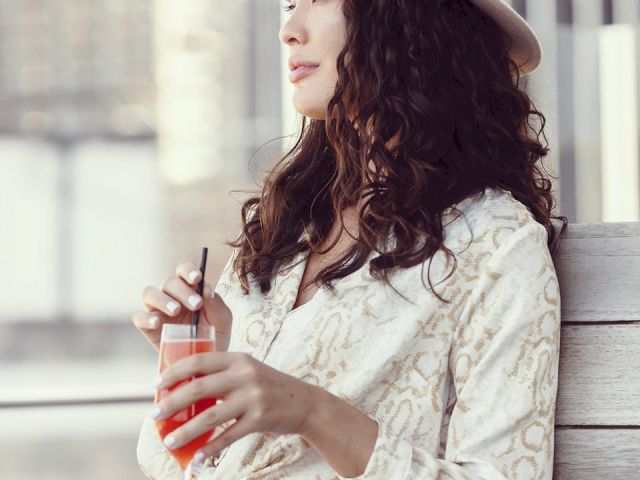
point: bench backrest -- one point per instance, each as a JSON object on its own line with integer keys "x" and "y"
{"x": 597, "y": 432}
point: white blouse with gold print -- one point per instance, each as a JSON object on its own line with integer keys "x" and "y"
{"x": 464, "y": 390}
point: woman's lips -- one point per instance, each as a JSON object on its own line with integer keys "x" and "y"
{"x": 301, "y": 71}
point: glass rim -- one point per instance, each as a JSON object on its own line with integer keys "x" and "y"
{"x": 183, "y": 331}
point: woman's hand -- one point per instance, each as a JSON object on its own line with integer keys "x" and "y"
{"x": 260, "y": 398}
{"x": 176, "y": 301}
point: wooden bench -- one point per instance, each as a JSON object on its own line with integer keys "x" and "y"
{"x": 597, "y": 432}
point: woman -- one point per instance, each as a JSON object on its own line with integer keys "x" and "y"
{"x": 341, "y": 361}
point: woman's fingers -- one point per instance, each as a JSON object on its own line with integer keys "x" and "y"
{"x": 218, "y": 315}
{"x": 207, "y": 420}
{"x": 244, "y": 425}
{"x": 148, "y": 320}
{"x": 177, "y": 288}
{"x": 189, "y": 272}
{"x": 150, "y": 325}
{"x": 213, "y": 385}
{"x": 156, "y": 299}
{"x": 176, "y": 300}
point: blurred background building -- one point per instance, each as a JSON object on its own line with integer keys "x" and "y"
{"x": 129, "y": 134}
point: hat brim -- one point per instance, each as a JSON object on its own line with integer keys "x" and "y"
{"x": 526, "y": 50}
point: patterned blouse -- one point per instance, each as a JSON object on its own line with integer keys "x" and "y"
{"x": 464, "y": 390}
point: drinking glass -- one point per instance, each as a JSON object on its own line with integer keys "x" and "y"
{"x": 179, "y": 341}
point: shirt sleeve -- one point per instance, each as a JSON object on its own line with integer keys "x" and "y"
{"x": 504, "y": 364}
{"x": 153, "y": 458}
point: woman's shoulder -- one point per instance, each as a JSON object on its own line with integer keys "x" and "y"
{"x": 486, "y": 220}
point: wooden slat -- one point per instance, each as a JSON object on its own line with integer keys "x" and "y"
{"x": 603, "y": 229}
{"x": 598, "y": 384}
{"x": 594, "y": 454}
{"x": 598, "y": 268}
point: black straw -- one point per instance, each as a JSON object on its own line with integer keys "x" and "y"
{"x": 196, "y": 314}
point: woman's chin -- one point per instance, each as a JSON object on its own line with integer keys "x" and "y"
{"x": 312, "y": 113}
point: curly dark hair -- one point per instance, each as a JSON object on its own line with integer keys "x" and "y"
{"x": 438, "y": 75}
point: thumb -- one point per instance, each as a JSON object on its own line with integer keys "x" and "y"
{"x": 218, "y": 315}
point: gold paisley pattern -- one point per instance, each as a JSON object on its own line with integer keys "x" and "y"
{"x": 464, "y": 390}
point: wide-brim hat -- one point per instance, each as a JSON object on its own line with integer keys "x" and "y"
{"x": 526, "y": 50}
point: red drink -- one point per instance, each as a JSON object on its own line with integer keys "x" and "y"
{"x": 170, "y": 352}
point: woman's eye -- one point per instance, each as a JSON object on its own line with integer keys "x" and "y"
{"x": 288, "y": 7}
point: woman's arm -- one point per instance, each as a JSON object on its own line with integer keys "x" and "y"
{"x": 340, "y": 433}
{"x": 504, "y": 363}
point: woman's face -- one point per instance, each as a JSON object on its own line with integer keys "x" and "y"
{"x": 315, "y": 33}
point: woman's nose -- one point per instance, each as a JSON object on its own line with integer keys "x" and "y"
{"x": 292, "y": 32}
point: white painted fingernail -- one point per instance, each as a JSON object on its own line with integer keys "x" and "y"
{"x": 169, "y": 441}
{"x": 193, "y": 275}
{"x": 194, "y": 300}
{"x": 157, "y": 382}
{"x": 213, "y": 293}
{"x": 155, "y": 413}
{"x": 153, "y": 321}
{"x": 172, "y": 306}
{"x": 198, "y": 457}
